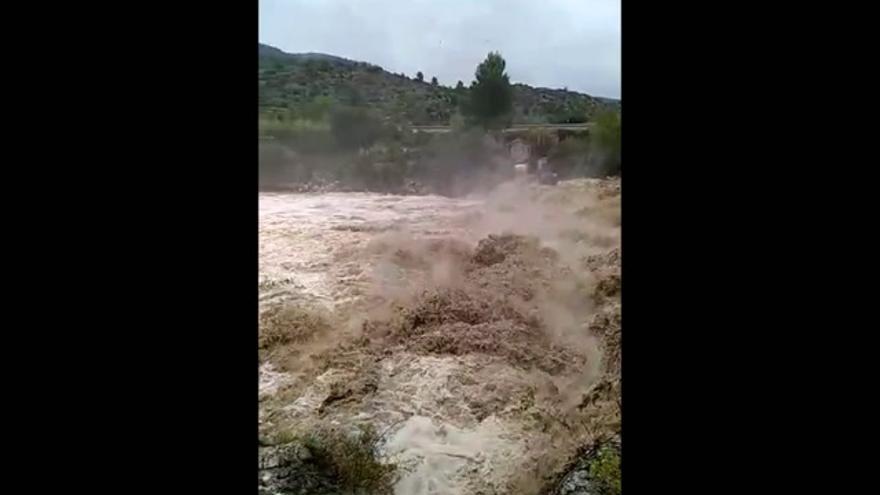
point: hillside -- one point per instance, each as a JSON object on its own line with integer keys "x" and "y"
{"x": 306, "y": 83}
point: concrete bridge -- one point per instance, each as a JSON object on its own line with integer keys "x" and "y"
{"x": 514, "y": 128}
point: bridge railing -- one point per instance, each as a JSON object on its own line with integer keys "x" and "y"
{"x": 515, "y": 127}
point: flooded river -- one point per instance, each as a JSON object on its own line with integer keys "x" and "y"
{"x": 313, "y": 247}
{"x": 454, "y": 422}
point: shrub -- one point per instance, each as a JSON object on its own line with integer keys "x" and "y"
{"x": 606, "y": 139}
{"x": 354, "y": 127}
{"x": 318, "y": 108}
{"x": 325, "y": 460}
{"x": 351, "y": 461}
{"x": 605, "y": 471}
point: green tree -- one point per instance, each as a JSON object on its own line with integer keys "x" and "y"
{"x": 434, "y": 81}
{"x": 459, "y": 86}
{"x": 420, "y": 77}
{"x": 606, "y": 141}
{"x": 491, "y": 98}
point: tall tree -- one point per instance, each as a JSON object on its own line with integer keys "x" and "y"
{"x": 434, "y": 81}
{"x": 491, "y": 98}
{"x": 420, "y": 77}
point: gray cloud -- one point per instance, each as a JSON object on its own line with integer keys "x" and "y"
{"x": 552, "y": 43}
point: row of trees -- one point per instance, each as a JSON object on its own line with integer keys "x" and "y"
{"x": 421, "y": 78}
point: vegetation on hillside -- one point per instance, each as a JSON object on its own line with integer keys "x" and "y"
{"x": 331, "y": 121}
{"x": 295, "y": 86}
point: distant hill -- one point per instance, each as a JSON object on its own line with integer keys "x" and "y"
{"x": 304, "y": 82}
{"x": 270, "y": 52}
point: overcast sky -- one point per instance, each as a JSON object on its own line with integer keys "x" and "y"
{"x": 551, "y": 43}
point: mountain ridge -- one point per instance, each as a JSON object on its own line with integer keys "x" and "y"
{"x": 296, "y": 82}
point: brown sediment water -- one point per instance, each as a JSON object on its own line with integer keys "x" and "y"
{"x": 463, "y": 329}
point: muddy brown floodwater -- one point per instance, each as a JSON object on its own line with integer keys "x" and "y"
{"x": 478, "y": 335}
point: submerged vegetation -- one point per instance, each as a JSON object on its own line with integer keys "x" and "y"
{"x": 325, "y": 460}
{"x": 289, "y": 324}
{"x": 486, "y": 363}
{"x": 604, "y": 470}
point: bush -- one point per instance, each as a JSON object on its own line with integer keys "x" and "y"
{"x": 605, "y": 471}
{"x": 318, "y": 108}
{"x": 326, "y": 460}
{"x": 354, "y": 127}
{"x": 598, "y": 155}
{"x": 351, "y": 461}
{"x": 606, "y": 140}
